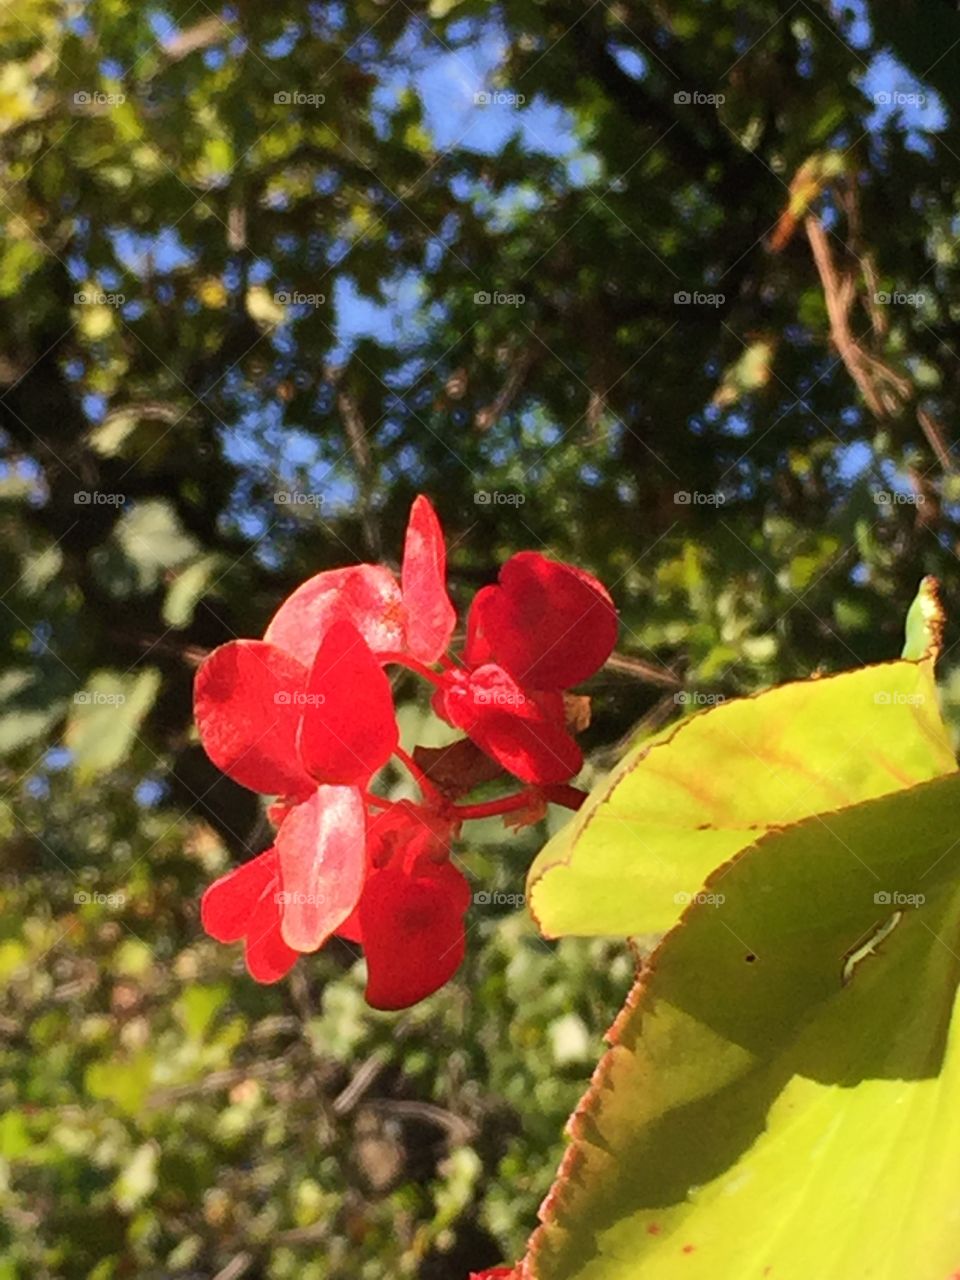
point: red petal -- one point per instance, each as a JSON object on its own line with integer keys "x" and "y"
{"x": 521, "y": 730}
{"x": 549, "y": 624}
{"x": 228, "y": 904}
{"x": 430, "y": 617}
{"x": 478, "y": 650}
{"x": 365, "y": 594}
{"x": 245, "y": 700}
{"x": 267, "y": 956}
{"x": 349, "y": 727}
{"x": 322, "y": 865}
{"x": 413, "y": 933}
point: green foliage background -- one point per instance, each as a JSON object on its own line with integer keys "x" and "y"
{"x": 163, "y": 1116}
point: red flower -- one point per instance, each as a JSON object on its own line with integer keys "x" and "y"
{"x": 306, "y": 715}
{"x": 315, "y": 737}
{"x": 496, "y": 1273}
{"x": 244, "y": 904}
{"x": 545, "y": 627}
{"x": 414, "y": 616}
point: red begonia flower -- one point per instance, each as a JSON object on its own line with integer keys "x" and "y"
{"x": 247, "y": 705}
{"x": 348, "y": 728}
{"x": 411, "y": 926}
{"x": 549, "y": 624}
{"x": 368, "y": 595}
{"x": 245, "y": 904}
{"x": 523, "y": 730}
{"x": 430, "y": 617}
{"x": 321, "y": 848}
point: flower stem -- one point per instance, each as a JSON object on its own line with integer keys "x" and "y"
{"x": 429, "y": 792}
{"x": 413, "y": 664}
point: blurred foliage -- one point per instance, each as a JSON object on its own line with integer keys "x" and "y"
{"x": 241, "y": 330}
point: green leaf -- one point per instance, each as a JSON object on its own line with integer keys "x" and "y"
{"x": 123, "y": 1082}
{"x": 105, "y": 716}
{"x": 782, "y": 1097}
{"x": 697, "y": 794}
{"x": 187, "y": 590}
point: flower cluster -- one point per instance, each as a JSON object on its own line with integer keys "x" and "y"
{"x": 306, "y": 715}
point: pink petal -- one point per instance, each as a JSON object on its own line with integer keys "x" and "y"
{"x": 349, "y": 726}
{"x": 365, "y": 594}
{"x": 430, "y": 617}
{"x": 228, "y": 904}
{"x": 522, "y": 731}
{"x": 322, "y": 865}
{"x": 245, "y": 701}
{"x": 549, "y": 624}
